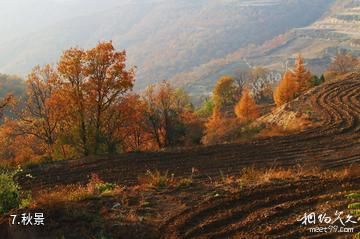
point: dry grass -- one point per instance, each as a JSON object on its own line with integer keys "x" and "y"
{"x": 132, "y": 216}
{"x": 273, "y": 131}
{"x": 185, "y": 182}
{"x": 252, "y": 176}
{"x": 349, "y": 172}
{"x": 77, "y": 192}
{"x": 62, "y": 194}
{"x": 157, "y": 180}
{"x": 293, "y": 126}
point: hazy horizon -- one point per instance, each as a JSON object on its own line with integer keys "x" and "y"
{"x": 191, "y": 43}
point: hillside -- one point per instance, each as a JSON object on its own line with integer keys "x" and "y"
{"x": 336, "y": 132}
{"x": 163, "y": 38}
{"x": 11, "y": 85}
{"x": 338, "y": 29}
{"x": 229, "y": 195}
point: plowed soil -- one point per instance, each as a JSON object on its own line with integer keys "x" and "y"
{"x": 269, "y": 211}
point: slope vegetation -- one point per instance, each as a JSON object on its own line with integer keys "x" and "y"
{"x": 333, "y": 143}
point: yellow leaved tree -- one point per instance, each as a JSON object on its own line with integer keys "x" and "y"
{"x": 246, "y": 109}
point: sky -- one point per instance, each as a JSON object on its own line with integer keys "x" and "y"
{"x": 25, "y": 16}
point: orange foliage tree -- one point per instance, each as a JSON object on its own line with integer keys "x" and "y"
{"x": 213, "y": 127}
{"x": 31, "y": 133}
{"x": 246, "y": 109}
{"x": 126, "y": 126}
{"x": 70, "y": 69}
{"x": 19, "y": 149}
{"x": 294, "y": 83}
{"x": 41, "y": 116}
{"x": 301, "y": 76}
{"x": 95, "y": 82}
{"x": 85, "y": 106}
{"x": 81, "y": 107}
{"x": 107, "y": 81}
{"x": 286, "y": 90}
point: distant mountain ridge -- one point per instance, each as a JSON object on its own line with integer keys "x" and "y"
{"x": 165, "y": 38}
{"x": 337, "y": 30}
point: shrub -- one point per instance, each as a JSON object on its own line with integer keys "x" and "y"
{"x": 158, "y": 180}
{"x": 62, "y": 194}
{"x": 95, "y": 187}
{"x": 105, "y": 187}
{"x": 185, "y": 183}
{"x": 9, "y": 192}
{"x": 315, "y": 80}
{"x": 355, "y": 208}
{"x": 98, "y": 186}
{"x": 206, "y": 109}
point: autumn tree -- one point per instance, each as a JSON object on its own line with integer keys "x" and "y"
{"x": 73, "y": 79}
{"x": 213, "y": 127}
{"x": 126, "y": 128}
{"x": 294, "y": 83}
{"x": 194, "y": 128}
{"x": 344, "y": 63}
{"x": 153, "y": 114}
{"x": 95, "y": 81}
{"x": 221, "y": 129}
{"x": 134, "y": 130}
{"x": 286, "y": 89}
{"x": 41, "y": 115}
{"x": 301, "y": 76}
{"x": 224, "y": 92}
{"x": 164, "y": 108}
{"x": 108, "y": 80}
{"x": 246, "y": 109}
{"x": 81, "y": 106}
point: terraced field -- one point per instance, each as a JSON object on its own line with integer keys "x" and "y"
{"x": 264, "y": 212}
{"x": 335, "y": 143}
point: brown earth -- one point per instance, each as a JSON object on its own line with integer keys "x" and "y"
{"x": 204, "y": 210}
{"x": 268, "y": 211}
